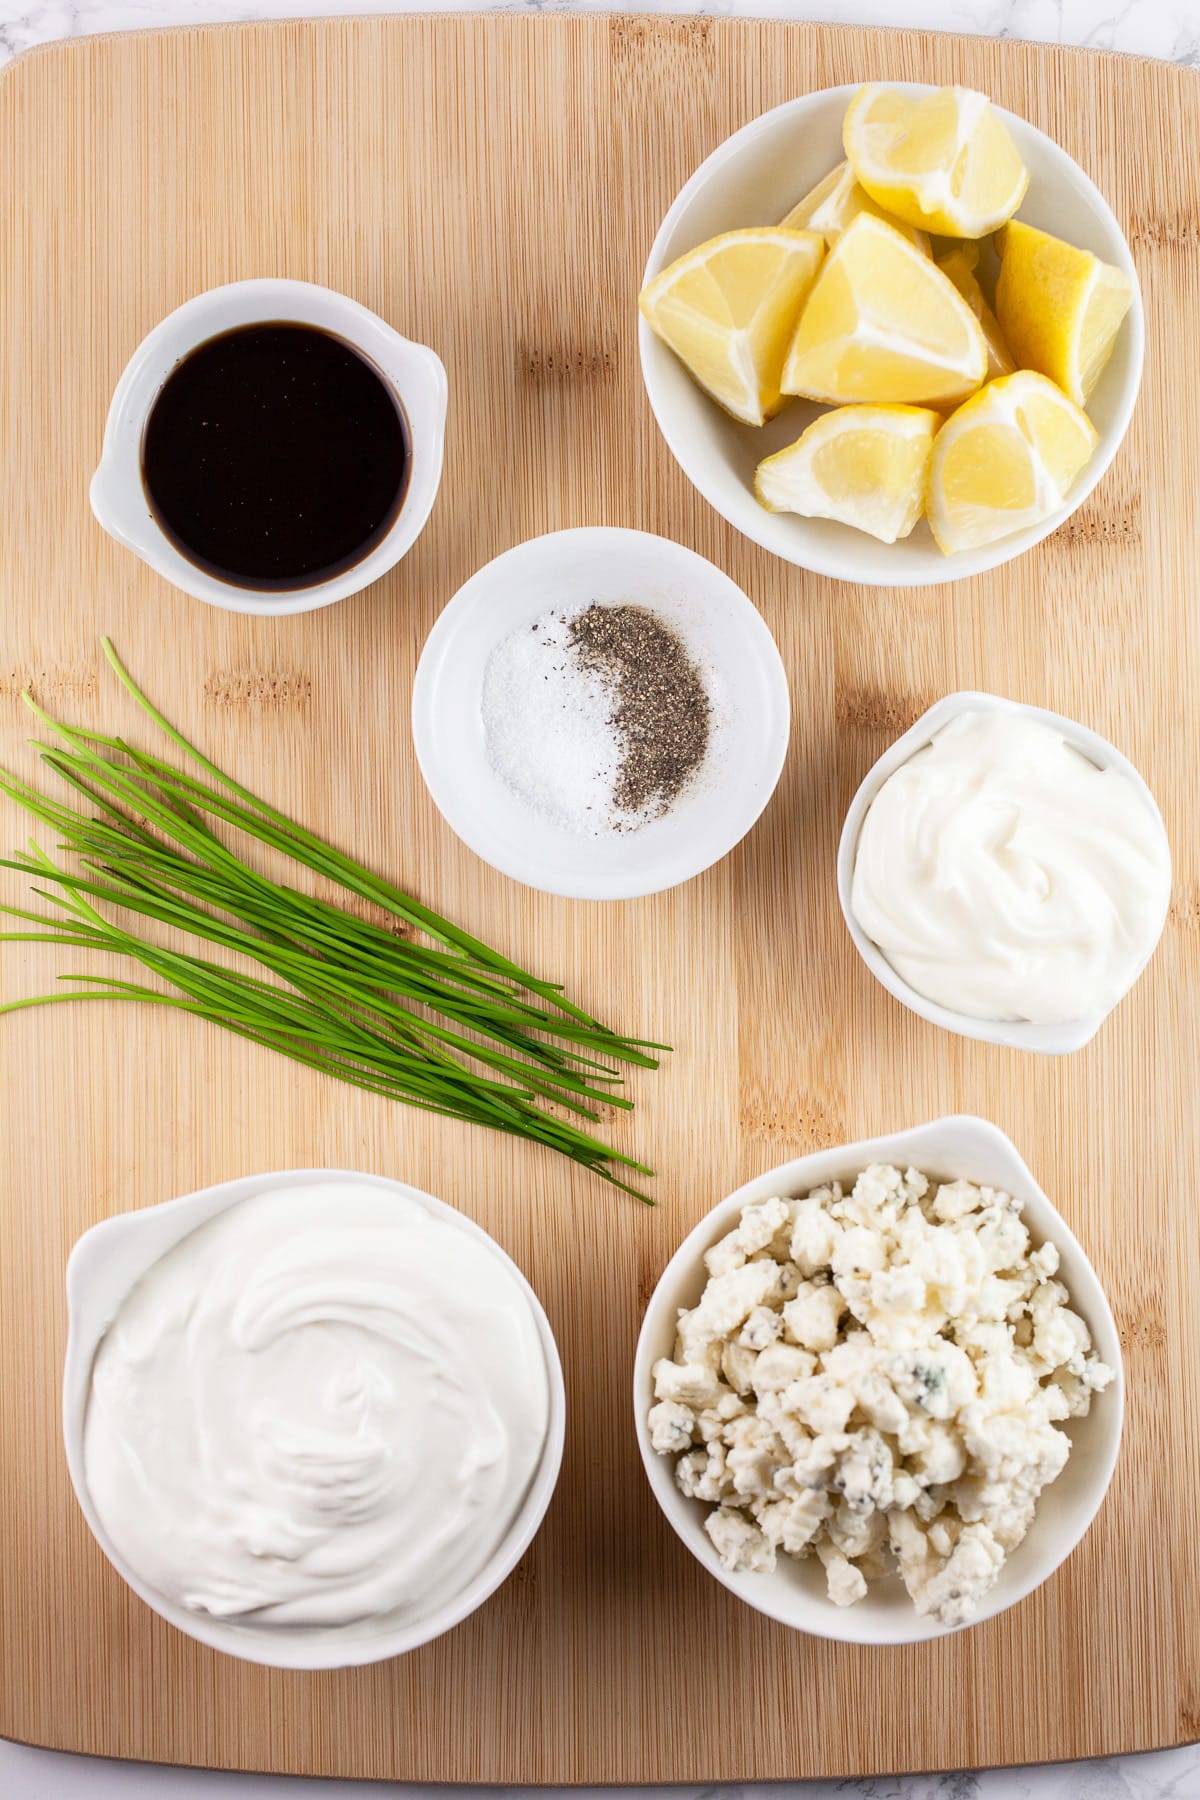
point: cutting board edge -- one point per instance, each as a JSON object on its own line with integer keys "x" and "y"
{"x": 82, "y": 46}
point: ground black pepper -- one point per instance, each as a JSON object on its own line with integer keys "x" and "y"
{"x": 661, "y": 708}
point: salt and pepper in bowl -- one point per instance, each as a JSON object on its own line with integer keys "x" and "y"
{"x": 599, "y": 718}
{"x": 600, "y": 713}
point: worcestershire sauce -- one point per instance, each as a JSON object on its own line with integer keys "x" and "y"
{"x": 275, "y": 456}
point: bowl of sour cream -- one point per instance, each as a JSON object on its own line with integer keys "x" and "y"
{"x": 1005, "y": 873}
{"x": 314, "y": 1418}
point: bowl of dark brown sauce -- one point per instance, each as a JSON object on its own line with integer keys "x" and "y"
{"x": 272, "y": 446}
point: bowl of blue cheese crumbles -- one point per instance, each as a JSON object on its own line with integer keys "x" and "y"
{"x": 879, "y": 1390}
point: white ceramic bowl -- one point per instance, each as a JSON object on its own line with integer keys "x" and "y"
{"x": 751, "y": 712}
{"x": 1046, "y": 1040}
{"x": 413, "y": 372}
{"x": 111, "y": 1258}
{"x": 959, "y": 1147}
{"x": 754, "y": 178}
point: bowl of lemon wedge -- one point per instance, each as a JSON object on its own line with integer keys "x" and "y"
{"x": 892, "y": 333}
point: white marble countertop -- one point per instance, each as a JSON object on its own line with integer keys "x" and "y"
{"x": 1148, "y": 27}
{"x": 1166, "y": 28}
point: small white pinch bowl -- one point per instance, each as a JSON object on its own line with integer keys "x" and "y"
{"x": 957, "y": 1147}
{"x": 413, "y": 372}
{"x": 109, "y": 1260}
{"x": 726, "y": 634}
{"x": 1044, "y": 1040}
{"x": 754, "y": 178}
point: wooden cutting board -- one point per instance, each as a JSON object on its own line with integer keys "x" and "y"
{"x": 492, "y": 185}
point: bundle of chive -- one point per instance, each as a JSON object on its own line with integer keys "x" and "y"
{"x": 438, "y": 1021}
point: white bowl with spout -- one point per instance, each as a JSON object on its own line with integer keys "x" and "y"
{"x": 106, "y": 1264}
{"x": 413, "y": 373}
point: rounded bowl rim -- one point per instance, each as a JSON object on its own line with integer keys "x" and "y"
{"x": 914, "y": 1145}
{"x": 671, "y": 871}
{"x": 846, "y": 564}
{"x": 116, "y": 491}
{"x": 335, "y": 1647}
{"x": 1043, "y": 1040}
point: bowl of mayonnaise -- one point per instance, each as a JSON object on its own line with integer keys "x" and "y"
{"x": 313, "y": 1419}
{"x": 1005, "y": 873}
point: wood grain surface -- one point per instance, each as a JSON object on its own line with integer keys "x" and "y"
{"x": 492, "y": 186}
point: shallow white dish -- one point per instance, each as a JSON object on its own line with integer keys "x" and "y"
{"x": 754, "y": 178}
{"x": 1047, "y": 1040}
{"x": 726, "y": 635}
{"x": 108, "y": 1261}
{"x": 413, "y": 372}
{"x": 957, "y": 1147}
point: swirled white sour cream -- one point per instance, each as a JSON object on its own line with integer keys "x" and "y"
{"x": 1005, "y": 876}
{"x": 327, "y": 1403}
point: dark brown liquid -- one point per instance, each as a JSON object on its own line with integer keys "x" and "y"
{"x": 275, "y": 456}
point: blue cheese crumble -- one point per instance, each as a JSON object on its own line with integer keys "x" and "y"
{"x": 877, "y": 1378}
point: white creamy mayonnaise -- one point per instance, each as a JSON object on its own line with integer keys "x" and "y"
{"x": 1005, "y": 876}
{"x": 327, "y": 1403}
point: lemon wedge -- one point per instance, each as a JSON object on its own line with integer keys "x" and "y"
{"x": 1059, "y": 308}
{"x": 865, "y": 466}
{"x": 729, "y": 309}
{"x": 1005, "y": 460}
{"x": 834, "y": 202}
{"x": 883, "y": 324}
{"x": 959, "y": 265}
{"x": 943, "y": 161}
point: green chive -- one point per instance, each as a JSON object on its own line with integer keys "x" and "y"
{"x": 421, "y": 1013}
